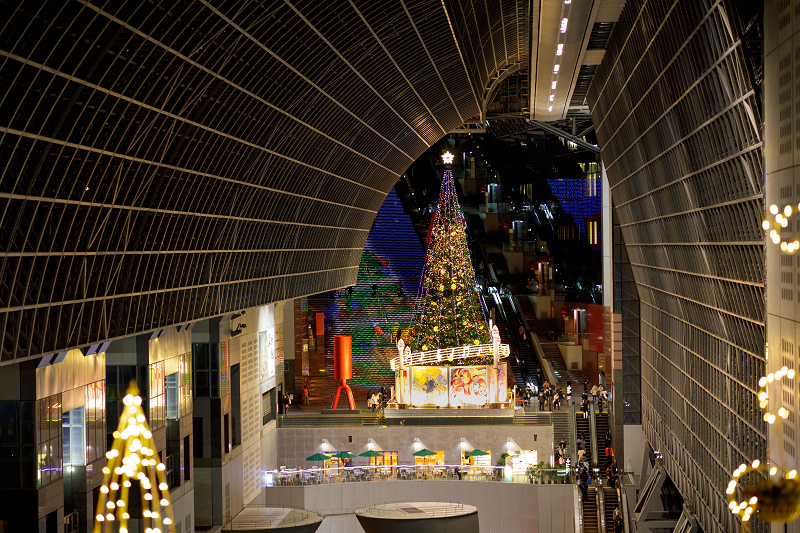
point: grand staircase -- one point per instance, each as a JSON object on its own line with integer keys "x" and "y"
{"x": 561, "y": 430}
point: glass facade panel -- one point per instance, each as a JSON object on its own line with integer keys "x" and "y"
{"x": 171, "y": 388}
{"x": 75, "y": 437}
{"x": 49, "y": 451}
{"x": 158, "y": 402}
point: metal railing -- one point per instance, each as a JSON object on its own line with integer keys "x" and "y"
{"x": 292, "y": 516}
{"x": 448, "y": 508}
{"x": 356, "y": 474}
{"x": 441, "y": 418}
{"x": 445, "y": 355}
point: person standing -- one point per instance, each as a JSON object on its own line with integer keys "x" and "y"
{"x": 286, "y": 403}
{"x": 586, "y": 386}
{"x": 609, "y": 455}
{"x": 306, "y": 395}
{"x": 617, "y": 521}
{"x": 594, "y": 393}
{"x": 584, "y": 475}
{"x": 541, "y": 399}
{"x": 585, "y": 408}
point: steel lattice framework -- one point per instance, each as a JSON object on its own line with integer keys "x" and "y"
{"x": 163, "y": 162}
{"x": 678, "y": 122}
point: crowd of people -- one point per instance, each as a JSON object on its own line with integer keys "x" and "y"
{"x": 550, "y": 397}
{"x": 375, "y": 401}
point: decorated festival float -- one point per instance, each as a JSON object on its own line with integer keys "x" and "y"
{"x": 451, "y": 357}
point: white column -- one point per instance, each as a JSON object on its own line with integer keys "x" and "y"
{"x": 608, "y": 265}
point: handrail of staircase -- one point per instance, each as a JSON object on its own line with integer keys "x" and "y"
{"x": 601, "y": 507}
{"x": 547, "y": 369}
{"x": 593, "y": 433}
{"x": 573, "y": 431}
{"x": 623, "y": 508}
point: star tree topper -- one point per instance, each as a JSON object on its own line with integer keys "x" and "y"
{"x": 447, "y": 157}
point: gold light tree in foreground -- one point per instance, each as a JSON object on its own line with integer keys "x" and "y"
{"x": 133, "y": 459}
{"x": 777, "y": 498}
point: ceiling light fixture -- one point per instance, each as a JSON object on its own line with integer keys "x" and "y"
{"x": 553, "y": 85}
{"x": 556, "y": 68}
{"x": 552, "y": 96}
{"x": 559, "y": 49}
{"x": 550, "y": 108}
{"x": 564, "y": 23}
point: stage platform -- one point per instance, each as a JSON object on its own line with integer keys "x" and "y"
{"x": 423, "y": 412}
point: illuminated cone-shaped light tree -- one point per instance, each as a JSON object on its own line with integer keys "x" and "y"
{"x": 449, "y": 313}
{"x": 133, "y": 459}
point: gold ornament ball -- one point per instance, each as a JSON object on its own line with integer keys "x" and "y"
{"x": 435, "y": 328}
{"x": 441, "y": 287}
{"x": 452, "y": 285}
{"x": 424, "y": 347}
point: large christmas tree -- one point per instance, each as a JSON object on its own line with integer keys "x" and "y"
{"x": 449, "y": 313}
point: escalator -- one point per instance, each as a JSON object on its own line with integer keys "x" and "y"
{"x": 515, "y": 365}
{"x": 610, "y": 502}
{"x": 583, "y": 430}
{"x": 589, "y": 511}
{"x": 524, "y": 348}
{"x": 601, "y": 427}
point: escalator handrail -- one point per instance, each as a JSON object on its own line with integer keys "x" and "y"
{"x": 501, "y": 315}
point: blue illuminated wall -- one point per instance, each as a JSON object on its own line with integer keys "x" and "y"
{"x": 393, "y": 254}
{"x": 572, "y": 195}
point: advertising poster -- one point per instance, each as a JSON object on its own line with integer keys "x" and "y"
{"x": 266, "y": 353}
{"x": 429, "y": 386}
{"x": 469, "y": 386}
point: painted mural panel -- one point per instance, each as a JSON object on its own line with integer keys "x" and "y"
{"x": 469, "y": 385}
{"x": 429, "y": 386}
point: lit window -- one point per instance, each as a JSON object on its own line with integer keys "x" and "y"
{"x": 564, "y": 22}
